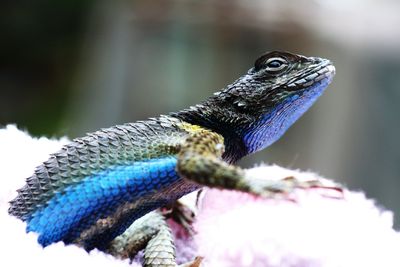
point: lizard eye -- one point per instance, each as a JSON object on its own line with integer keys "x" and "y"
{"x": 275, "y": 64}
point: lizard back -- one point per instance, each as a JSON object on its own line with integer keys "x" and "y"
{"x": 113, "y": 175}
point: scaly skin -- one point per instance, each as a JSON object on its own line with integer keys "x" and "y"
{"x": 94, "y": 188}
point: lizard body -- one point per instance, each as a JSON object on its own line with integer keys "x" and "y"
{"x": 94, "y": 188}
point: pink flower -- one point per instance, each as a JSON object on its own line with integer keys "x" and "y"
{"x": 315, "y": 230}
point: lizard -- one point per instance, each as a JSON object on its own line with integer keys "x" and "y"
{"x": 93, "y": 189}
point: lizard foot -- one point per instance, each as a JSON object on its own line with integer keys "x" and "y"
{"x": 181, "y": 214}
{"x": 284, "y": 187}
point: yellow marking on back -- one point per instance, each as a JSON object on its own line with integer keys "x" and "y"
{"x": 191, "y": 128}
{"x": 202, "y": 140}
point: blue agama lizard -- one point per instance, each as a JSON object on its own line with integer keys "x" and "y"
{"x": 94, "y": 188}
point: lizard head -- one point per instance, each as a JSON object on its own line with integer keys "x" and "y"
{"x": 257, "y": 109}
{"x": 275, "y": 93}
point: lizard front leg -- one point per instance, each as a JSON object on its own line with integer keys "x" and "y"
{"x": 200, "y": 160}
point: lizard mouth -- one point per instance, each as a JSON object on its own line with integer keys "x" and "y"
{"x": 323, "y": 70}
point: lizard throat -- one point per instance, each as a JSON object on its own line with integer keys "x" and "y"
{"x": 270, "y": 127}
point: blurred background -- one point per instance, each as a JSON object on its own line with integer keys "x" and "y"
{"x": 69, "y": 67}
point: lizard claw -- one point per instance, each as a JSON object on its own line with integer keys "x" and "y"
{"x": 317, "y": 184}
{"x": 281, "y": 189}
{"x": 195, "y": 263}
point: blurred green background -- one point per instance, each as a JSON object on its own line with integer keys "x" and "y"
{"x": 68, "y": 67}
